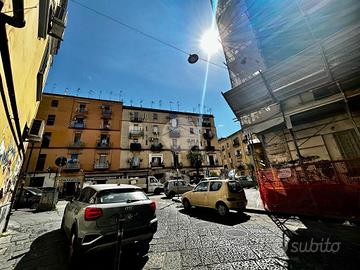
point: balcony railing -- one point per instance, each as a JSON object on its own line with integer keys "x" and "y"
{"x": 174, "y": 134}
{"x": 208, "y": 135}
{"x": 106, "y": 113}
{"x": 103, "y": 144}
{"x": 72, "y": 165}
{"x": 210, "y": 148}
{"x": 135, "y": 146}
{"x": 75, "y": 124}
{"x": 78, "y": 144}
{"x": 156, "y": 147}
{"x": 157, "y": 164}
{"x": 101, "y": 165}
{"x": 136, "y": 118}
{"x": 135, "y": 133}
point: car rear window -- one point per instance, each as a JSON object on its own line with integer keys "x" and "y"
{"x": 119, "y": 195}
{"x": 234, "y": 186}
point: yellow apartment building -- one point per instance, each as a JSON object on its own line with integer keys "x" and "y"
{"x": 155, "y": 142}
{"x": 83, "y": 130}
{"x": 29, "y": 39}
{"x": 240, "y": 153}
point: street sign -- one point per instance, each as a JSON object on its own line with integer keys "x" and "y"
{"x": 61, "y": 161}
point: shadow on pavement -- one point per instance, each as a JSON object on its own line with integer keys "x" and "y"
{"x": 49, "y": 251}
{"x": 313, "y": 250}
{"x": 210, "y": 215}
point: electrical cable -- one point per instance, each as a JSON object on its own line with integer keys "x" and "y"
{"x": 142, "y": 32}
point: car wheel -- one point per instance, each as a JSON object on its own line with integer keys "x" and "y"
{"x": 171, "y": 195}
{"x": 34, "y": 206}
{"x": 222, "y": 209}
{"x": 186, "y": 204}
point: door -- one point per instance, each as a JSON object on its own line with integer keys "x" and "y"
{"x": 199, "y": 194}
{"x": 214, "y": 193}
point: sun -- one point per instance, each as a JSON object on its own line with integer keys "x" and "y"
{"x": 209, "y": 42}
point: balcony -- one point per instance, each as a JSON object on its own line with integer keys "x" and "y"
{"x": 135, "y": 162}
{"x": 210, "y": 148}
{"x": 135, "y": 146}
{"x": 174, "y": 134}
{"x": 106, "y": 113}
{"x": 136, "y": 118}
{"x": 136, "y": 133}
{"x": 75, "y": 124}
{"x": 81, "y": 110}
{"x": 156, "y": 147}
{"x": 78, "y": 144}
{"x": 206, "y": 123}
{"x": 208, "y": 135}
{"x": 236, "y": 144}
{"x": 156, "y": 164}
{"x": 103, "y": 144}
{"x": 175, "y": 147}
{"x": 72, "y": 165}
{"x": 101, "y": 165}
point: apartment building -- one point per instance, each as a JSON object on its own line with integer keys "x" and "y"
{"x": 240, "y": 153}
{"x": 29, "y": 40}
{"x": 301, "y": 99}
{"x": 155, "y": 142}
{"x": 86, "y": 132}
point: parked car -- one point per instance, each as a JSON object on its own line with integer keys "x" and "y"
{"x": 176, "y": 186}
{"x": 195, "y": 181}
{"x": 92, "y": 221}
{"x": 247, "y": 181}
{"x": 30, "y": 197}
{"x": 222, "y": 195}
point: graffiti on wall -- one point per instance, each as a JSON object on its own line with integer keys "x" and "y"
{"x": 10, "y": 165}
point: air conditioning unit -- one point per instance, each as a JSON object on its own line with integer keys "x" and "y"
{"x": 36, "y": 131}
{"x": 58, "y": 23}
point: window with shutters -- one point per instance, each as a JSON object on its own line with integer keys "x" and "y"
{"x": 40, "y": 162}
{"x": 50, "y": 120}
{"x": 46, "y": 140}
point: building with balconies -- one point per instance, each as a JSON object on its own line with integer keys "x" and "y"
{"x": 87, "y": 132}
{"x": 165, "y": 137}
{"x": 302, "y": 98}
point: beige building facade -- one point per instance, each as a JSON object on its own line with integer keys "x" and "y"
{"x": 155, "y": 142}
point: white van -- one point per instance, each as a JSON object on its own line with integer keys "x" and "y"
{"x": 149, "y": 184}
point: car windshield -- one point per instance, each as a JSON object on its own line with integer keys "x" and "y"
{"x": 234, "y": 186}
{"x": 121, "y": 195}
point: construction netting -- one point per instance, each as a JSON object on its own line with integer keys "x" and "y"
{"x": 325, "y": 188}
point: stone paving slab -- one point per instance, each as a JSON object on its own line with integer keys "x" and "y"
{"x": 199, "y": 240}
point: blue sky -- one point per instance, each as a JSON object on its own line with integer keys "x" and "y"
{"x": 100, "y": 55}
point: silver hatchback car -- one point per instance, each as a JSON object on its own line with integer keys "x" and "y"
{"x": 93, "y": 220}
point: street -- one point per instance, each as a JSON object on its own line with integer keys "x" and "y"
{"x": 199, "y": 240}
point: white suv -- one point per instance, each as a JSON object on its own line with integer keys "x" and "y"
{"x": 173, "y": 187}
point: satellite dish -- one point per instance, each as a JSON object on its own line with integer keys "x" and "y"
{"x": 193, "y": 58}
{"x": 61, "y": 161}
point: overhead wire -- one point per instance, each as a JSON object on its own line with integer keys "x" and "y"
{"x": 111, "y": 18}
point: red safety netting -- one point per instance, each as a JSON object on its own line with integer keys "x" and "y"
{"x": 325, "y": 188}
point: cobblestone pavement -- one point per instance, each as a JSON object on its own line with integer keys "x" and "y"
{"x": 198, "y": 240}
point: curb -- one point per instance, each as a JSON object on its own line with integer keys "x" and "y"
{"x": 256, "y": 211}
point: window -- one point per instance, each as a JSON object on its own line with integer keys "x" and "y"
{"x": 174, "y": 142}
{"x": 155, "y": 129}
{"x": 54, "y": 103}
{"x": 40, "y": 162}
{"x": 229, "y": 155}
{"x": 211, "y": 160}
{"x": 201, "y": 187}
{"x": 50, "y": 120}
{"x": 44, "y": 18}
{"x": 74, "y": 156}
{"x": 77, "y": 137}
{"x": 236, "y": 142}
{"x": 227, "y": 145}
{"x": 192, "y": 131}
{"x": 234, "y": 187}
{"x": 37, "y": 181}
{"x": 86, "y": 195}
{"x": 121, "y": 195}
{"x": 46, "y": 139}
{"x": 215, "y": 186}
{"x": 155, "y": 116}
{"x": 238, "y": 153}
